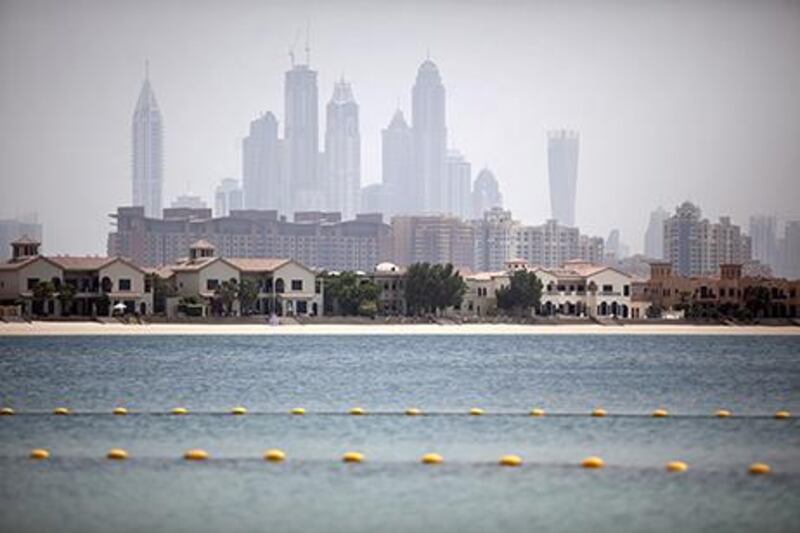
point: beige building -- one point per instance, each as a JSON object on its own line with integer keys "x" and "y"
{"x": 480, "y": 299}
{"x": 391, "y": 281}
{"x": 284, "y": 287}
{"x": 433, "y": 239}
{"x": 97, "y": 285}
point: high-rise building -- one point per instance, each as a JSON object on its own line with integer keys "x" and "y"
{"x": 485, "y": 193}
{"x": 430, "y": 139}
{"x": 790, "y": 250}
{"x": 188, "y": 201}
{"x": 549, "y": 245}
{"x": 697, "y": 247}
{"x": 301, "y": 140}
{"x": 398, "y": 168}
{"x": 319, "y": 240}
{"x": 495, "y": 240}
{"x": 343, "y": 152}
{"x": 17, "y": 228}
{"x": 433, "y": 239}
{"x": 562, "y": 164}
{"x": 654, "y": 236}
{"x": 458, "y": 181}
{"x": 763, "y": 232}
{"x": 373, "y": 199}
{"x": 262, "y": 182}
{"x": 227, "y": 196}
{"x": 147, "y": 138}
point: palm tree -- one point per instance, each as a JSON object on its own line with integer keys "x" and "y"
{"x": 42, "y": 293}
{"x": 66, "y": 295}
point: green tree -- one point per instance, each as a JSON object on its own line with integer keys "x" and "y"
{"x": 350, "y": 293}
{"x": 226, "y": 294}
{"x": 757, "y": 300}
{"x": 42, "y": 293}
{"x": 248, "y": 295}
{"x": 162, "y": 289}
{"x": 432, "y": 288}
{"x": 66, "y": 295}
{"x": 523, "y": 293}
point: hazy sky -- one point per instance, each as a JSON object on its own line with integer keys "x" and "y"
{"x": 674, "y": 100}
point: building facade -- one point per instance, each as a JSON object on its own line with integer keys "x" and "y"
{"x": 496, "y": 235}
{"x": 301, "y": 140}
{"x": 398, "y": 179}
{"x": 430, "y": 138}
{"x": 562, "y": 165}
{"x": 228, "y": 196}
{"x": 551, "y": 244}
{"x": 262, "y": 181}
{"x": 320, "y": 240}
{"x": 654, "y": 236}
{"x": 148, "y": 152}
{"x": 343, "y": 152}
{"x": 458, "y": 186}
{"x": 433, "y": 239}
{"x": 485, "y": 193}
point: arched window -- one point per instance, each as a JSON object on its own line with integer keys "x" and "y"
{"x": 279, "y": 285}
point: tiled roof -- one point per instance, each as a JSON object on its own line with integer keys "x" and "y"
{"x": 14, "y": 265}
{"x": 189, "y": 265}
{"x": 256, "y": 264}
{"x": 81, "y": 263}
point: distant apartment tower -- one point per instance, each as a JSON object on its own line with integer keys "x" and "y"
{"x": 696, "y": 247}
{"x": 562, "y": 164}
{"x": 343, "y": 152}
{"x": 430, "y": 139}
{"x": 551, "y": 244}
{"x": 262, "y": 183}
{"x": 763, "y": 232}
{"x": 789, "y": 250}
{"x": 654, "y": 236}
{"x": 373, "y": 199}
{"x": 17, "y": 228}
{"x": 495, "y": 240}
{"x": 227, "y": 197}
{"x": 458, "y": 184}
{"x": 317, "y": 239}
{"x": 485, "y": 193}
{"x": 301, "y": 139}
{"x": 402, "y": 191}
{"x": 147, "y": 160}
{"x": 433, "y": 239}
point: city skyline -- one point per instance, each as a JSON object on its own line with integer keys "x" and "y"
{"x": 625, "y": 156}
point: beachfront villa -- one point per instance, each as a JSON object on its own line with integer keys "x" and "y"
{"x": 281, "y": 286}
{"x": 31, "y": 283}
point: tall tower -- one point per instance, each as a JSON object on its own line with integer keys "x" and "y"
{"x": 562, "y": 163}
{"x": 147, "y": 139}
{"x": 654, "y": 236}
{"x": 398, "y": 167}
{"x": 430, "y": 139}
{"x": 485, "y": 194}
{"x": 343, "y": 152}
{"x": 301, "y": 139}
{"x": 261, "y": 173}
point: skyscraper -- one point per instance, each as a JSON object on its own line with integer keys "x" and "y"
{"x": 301, "y": 138}
{"x": 343, "y": 152}
{"x": 261, "y": 168}
{"x": 654, "y": 236}
{"x": 430, "y": 139}
{"x": 147, "y": 137}
{"x": 485, "y": 193}
{"x": 763, "y": 231}
{"x": 227, "y": 196}
{"x": 562, "y": 164}
{"x": 458, "y": 178}
{"x": 398, "y": 167}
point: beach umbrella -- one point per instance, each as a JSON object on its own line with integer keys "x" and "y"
{"x": 120, "y": 307}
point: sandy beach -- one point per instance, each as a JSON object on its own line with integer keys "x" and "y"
{"x": 96, "y": 328}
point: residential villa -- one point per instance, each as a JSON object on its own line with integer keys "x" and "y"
{"x": 480, "y": 297}
{"x": 284, "y": 287}
{"x": 584, "y": 289}
{"x": 390, "y": 280}
{"x": 31, "y": 283}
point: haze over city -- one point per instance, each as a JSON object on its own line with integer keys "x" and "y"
{"x": 672, "y": 101}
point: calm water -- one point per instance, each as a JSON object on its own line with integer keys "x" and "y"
{"x": 79, "y": 490}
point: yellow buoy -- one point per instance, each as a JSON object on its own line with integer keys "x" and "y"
{"x": 593, "y": 462}
{"x": 780, "y": 415}
{"x": 760, "y": 468}
{"x": 39, "y": 453}
{"x": 660, "y": 413}
{"x": 117, "y": 454}
{"x": 298, "y": 411}
{"x": 239, "y": 410}
{"x": 6, "y": 411}
{"x": 722, "y": 413}
{"x": 599, "y": 412}
{"x": 120, "y": 411}
{"x": 195, "y": 455}
{"x": 476, "y": 411}
{"x": 180, "y": 411}
{"x": 510, "y": 460}
{"x": 537, "y": 412}
{"x": 413, "y": 411}
{"x": 353, "y": 457}
{"x": 61, "y": 411}
{"x": 357, "y": 411}
{"x": 432, "y": 459}
{"x": 274, "y": 455}
{"x": 677, "y": 466}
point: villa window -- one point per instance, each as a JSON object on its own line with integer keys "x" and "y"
{"x": 297, "y": 284}
{"x": 32, "y": 282}
{"x": 608, "y": 288}
{"x": 302, "y": 306}
{"x": 626, "y": 290}
{"x": 212, "y": 284}
{"x": 317, "y": 286}
{"x": 124, "y": 285}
